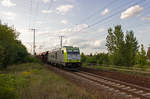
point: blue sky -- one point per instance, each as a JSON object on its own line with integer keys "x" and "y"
{"x": 72, "y": 18}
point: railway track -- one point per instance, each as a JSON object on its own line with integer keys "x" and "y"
{"x": 129, "y": 90}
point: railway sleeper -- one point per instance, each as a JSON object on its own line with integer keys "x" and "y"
{"x": 111, "y": 89}
{"x": 129, "y": 96}
{"x": 117, "y": 84}
{"x": 126, "y": 88}
{"x": 132, "y": 90}
{"x": 113, "y": 83}
{"x": 139, "y": 92}
{"x": 136, "y": 98}
{"x": 107, "y": 87}
{"x": 122, "y": 93}
{"x": 121, "y": 86}
{"x": 116, "y": 91}
{"x": 147, "y": 94}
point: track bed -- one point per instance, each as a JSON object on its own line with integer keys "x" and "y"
{"x": 129, "y": 78}
{"x": 115, "y": 89}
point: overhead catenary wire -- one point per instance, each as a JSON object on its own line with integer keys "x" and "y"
{"x": 48, "y": 9}
{"x": 36, "y": 13}
{"x": 106, "y": 18}
{"x": 110, "y": 16}
{"x": 30, "y": 13}
{"x": 93, "y": 14}
{"x": 117, "y": 12}
{"x": 139, "y": 24}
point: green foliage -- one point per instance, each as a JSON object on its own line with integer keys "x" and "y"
{"x": 148, "y": 53}
{"x": 131, "y": 47}
{"x": 115, "y": 44}
{"x": 119, "y": 45}
{"x": 34, "y": 81}
{"x": 123, "y": 50}
{"x": 110, "y": 41}
{"x": 11, "y": 50}
{"x": 7, "y": 87}
{"x": 83, "y": 57}
{"x": 1, "y": 55}
{"x": 141, "y": 57}
{"x": 100, "y": 58}
{"x": 31, "y": 59}
{"x": 91, "y": 59}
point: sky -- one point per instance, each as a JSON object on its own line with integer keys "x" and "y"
{"x": 83, "y": 23}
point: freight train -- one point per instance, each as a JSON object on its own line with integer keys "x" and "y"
{"x": 67, "y": 56}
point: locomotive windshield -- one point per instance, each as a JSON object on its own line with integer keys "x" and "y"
{"x": 73, "y": 51}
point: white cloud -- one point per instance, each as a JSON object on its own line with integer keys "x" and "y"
{"x": 46, "y": 11}
{"x": 101, "y": 30}
{"x": 83, "y": 42}
{"x": 8, "y": 15}
{"x": 45, "y": 1}
{"x": 98, "y": 43}
{"x": 80, "y": 27}
{"x": 106, "y": 11}
{"x": 76, "y": 28}
{"x": 7, "y": 3}
{"x": 64, "y": 9}
{"x": 64, "y": 22}
{"x": 39, "y": 22}
{"x": 146, "y": 17}
{"x": 132, "y": 11}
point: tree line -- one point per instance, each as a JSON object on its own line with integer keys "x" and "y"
{"x": 123, "y": 50}
{"x": 12, "y": 51}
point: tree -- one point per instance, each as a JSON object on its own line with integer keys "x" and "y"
{"x": 83, "y": 57}
{"x": 131, "y": 47}
{"x": 102, "y": 58}
{"x": 142, "y": 56}
{"x": 121, "y": 49}
{"x": 110, "y": 41}
{"x": 115, "y": 45}
{"x": 119, "y": 43}
{"x": 148, "y": 53}
{"x": 11, "y": 49}
{"x": 1, "y": 55}
{"x": 91, "y": 59}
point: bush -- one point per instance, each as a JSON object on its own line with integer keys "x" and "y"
{"x": 7, "y": 93}
{"x": 7, "y": 87}
{"x": 148, "y": 63}
{"x": 31, "y": 59}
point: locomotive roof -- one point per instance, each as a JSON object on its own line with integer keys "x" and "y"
{"x": 69, "y": 47}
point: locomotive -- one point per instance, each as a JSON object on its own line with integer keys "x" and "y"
{"x": 67, "y": 56}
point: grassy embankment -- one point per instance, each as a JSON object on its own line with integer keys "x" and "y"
{"x": 145, "y": 70}
{"x": 34, "y": 81}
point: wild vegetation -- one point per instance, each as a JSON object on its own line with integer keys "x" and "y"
{"x": 34, "y": 81}
{"x": 123, "y": 50}
{"x": 11, "y": 49}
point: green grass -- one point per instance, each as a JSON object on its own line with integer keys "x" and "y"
{"x": 34, "y": 81}
{"x": 132, "y": 70}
